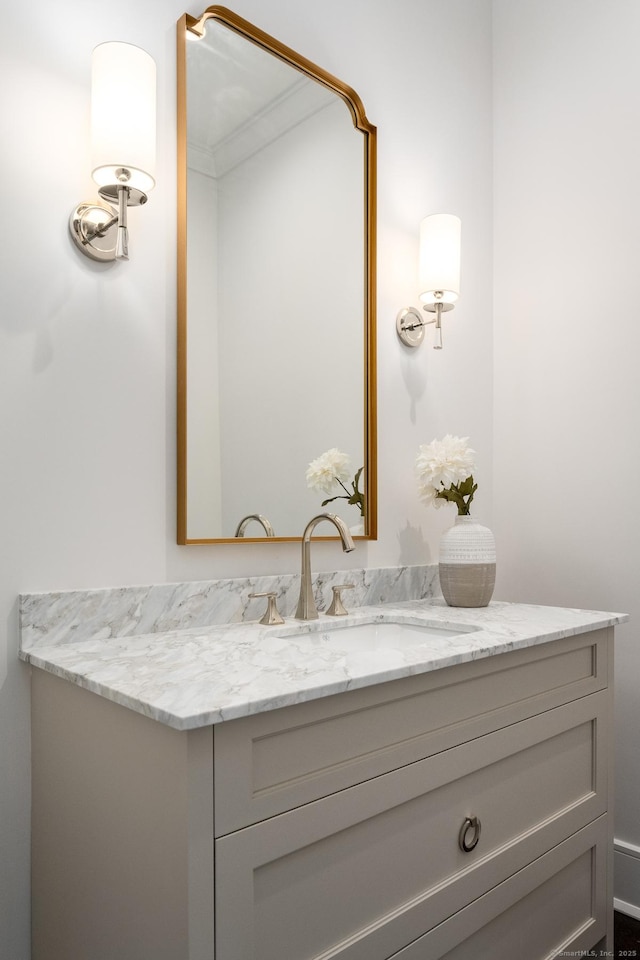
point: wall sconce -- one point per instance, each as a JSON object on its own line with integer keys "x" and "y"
{"x": 439, "y": 273}
{"x": 123, "y": 147}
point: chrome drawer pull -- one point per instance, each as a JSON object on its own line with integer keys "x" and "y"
{"x": 473, "y": 824}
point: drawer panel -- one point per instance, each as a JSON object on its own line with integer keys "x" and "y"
{"x": 555, "y": 906}
{"x": 370, "y": 869}
{"x": 270, "y": 763}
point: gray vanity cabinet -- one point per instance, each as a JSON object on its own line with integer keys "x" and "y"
{"x": 335, "y": 828}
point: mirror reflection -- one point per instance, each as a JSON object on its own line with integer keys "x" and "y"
{"x": 276, "y": 393}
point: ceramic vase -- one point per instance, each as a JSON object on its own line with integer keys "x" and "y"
{"x": 467, "y": 564}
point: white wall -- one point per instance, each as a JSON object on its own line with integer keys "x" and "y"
{"x": 87, "y": 351}
{"x": 567, "y": 337}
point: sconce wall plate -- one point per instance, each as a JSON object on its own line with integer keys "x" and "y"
{"x": 94, "y": 227}
{"x": 410, "y": 325}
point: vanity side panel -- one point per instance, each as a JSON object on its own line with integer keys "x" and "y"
{"x": 116, "y": 827}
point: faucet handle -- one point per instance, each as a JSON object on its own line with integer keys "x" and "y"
{"x": 271, "y": 615}
{"x": 337, "y": 608}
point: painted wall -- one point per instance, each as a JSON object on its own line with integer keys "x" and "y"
{"x": 87, "y": 351}
{"x": 567, "y": 338}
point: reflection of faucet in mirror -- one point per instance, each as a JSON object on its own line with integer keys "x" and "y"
{"x": 242, "y": 526}
{"x": 307, "y": 609}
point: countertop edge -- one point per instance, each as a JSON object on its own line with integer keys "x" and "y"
{"x": 486, "y": 641}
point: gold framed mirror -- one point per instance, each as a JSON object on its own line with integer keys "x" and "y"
{"x": 276, "y": 290}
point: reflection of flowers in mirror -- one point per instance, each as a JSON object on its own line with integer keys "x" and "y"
{"x": 445, "y": 473}
{"x": 331, "y": 472}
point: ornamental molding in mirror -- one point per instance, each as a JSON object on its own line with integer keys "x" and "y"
{"x": 276, "y": 289}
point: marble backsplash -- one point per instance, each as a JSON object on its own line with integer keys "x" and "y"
{"x": 74, "y": 615}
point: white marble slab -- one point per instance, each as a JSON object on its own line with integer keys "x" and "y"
{"x": 72, "y": 615}
{"x": 193, "y": 677}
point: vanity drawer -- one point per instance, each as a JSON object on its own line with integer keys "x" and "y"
{"x": 364, "y": 872}
{"x": 269, "y": 763}
{"x": 556, "y": 906}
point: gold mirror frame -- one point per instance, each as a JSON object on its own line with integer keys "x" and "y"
{"x": 187, "y": 24}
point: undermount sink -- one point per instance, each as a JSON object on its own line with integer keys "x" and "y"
{"x": 381, "y": 634}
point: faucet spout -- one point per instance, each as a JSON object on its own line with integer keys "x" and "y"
{"x": 266, "y": 526}
{"x": 307, "y": 609}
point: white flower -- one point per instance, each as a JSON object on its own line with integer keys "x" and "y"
{"x": 442, "y": 463}
{"x": 445, "y": 473}
{"x": 325, "y": 472}
{"x": 427, "y": 493}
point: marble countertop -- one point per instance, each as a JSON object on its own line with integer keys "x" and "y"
{"x": 194, "y": 677}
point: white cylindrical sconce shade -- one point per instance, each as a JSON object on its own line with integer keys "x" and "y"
{"x": 439, "y": 268}
{"x": 123, "y": 115}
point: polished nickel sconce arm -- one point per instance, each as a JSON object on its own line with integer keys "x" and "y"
{"x": 101, "y": 231}
{"x": 410, "y": 324}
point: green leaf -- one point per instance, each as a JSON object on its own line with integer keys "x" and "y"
{"x": 466, "y": 487}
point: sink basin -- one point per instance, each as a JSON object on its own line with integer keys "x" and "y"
{"x": 381, "y": 634}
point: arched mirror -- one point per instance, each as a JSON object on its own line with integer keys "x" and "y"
{"x": 276, "y": 289}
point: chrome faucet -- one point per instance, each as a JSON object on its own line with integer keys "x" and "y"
{"x": 307, "y": 609}
{"x": 242, "y": 526}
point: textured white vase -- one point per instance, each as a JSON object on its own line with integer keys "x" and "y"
{"x": 467, "y": 564}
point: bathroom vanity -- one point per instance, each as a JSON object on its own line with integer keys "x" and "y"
{"x": 413, "y": 782}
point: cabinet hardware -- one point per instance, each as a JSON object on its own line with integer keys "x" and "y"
{"x": 473, "y": 825}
